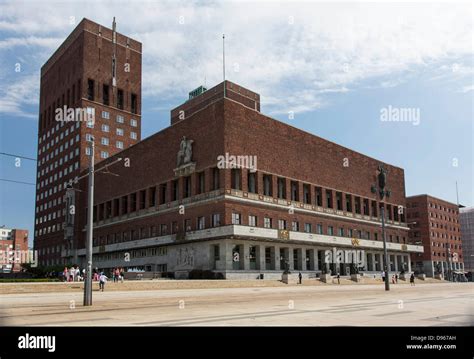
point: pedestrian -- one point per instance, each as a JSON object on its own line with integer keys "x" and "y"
{"x": 396, "y": 278}
{"x": 412, "y": 279}
{"x": 300, "y": 277}
{"x": 121, "y": 275}
{"x": 65, "y": 274}
{"x": 117, "y": 274}
{"x": 338, "y": 279}
{"x": 102, "y": 280}
{"x": 71, "y": 274}
{"x": 383, "y": 276}
{"x": 393, "y": 279}
{"x": 77, "y": 273}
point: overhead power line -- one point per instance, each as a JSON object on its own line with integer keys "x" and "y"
{"x": 18, "y": 156}
{"x": 21, "y": 182}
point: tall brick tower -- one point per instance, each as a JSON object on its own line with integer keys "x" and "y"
{"x": 98, "y": 71}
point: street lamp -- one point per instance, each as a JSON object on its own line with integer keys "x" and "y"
{"x": 90, "y": 223}
{"x": 381, "y": 182}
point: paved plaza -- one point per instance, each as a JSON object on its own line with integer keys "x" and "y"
{"x": 441, "y": 304}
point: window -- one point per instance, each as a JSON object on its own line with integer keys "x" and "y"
{"x": 294, "y": 191}
{"x": 163, "y": 189}
{"x": 120, "y": 99}
{"x": 104, "y": 141}
{"x": 215, "y": 178}
{"x": 330, "y": 230}
{"x": 120, "y": 119}
{"x": 319, "y": 196}
{"x": 329, "y": 198}
{"x": 134, "y": 105}
{"x": 348, "y": 203}
{"x": 235, "y": 218}
{"x": 295, "y": 226}
{"x": 90, "y": 123}
{"x": 133, "y": 135}
{"x": 105, "y": 115}
{"x": 200, "y": 183}
{"x": 105, "y": 128}
{"x": 201, "y": 223}
{"x": 133, "y": 123}
{"x": 281, "y": 224}
{"x": 119, "y": 144}
{"x": 357, "y": 205}
{"x": 236, "y": 178}
{"x": 175, "y": 190}
{"x": 307, "y": 227}
{"x": 252, "y": 221}
{"x": 252, "y": 182}
{"x": 104, "y": 154}
{"x": 319, "y": 229}
{"x": 267, "y": 222}
{"x": 119, "y": 131}
{"x": 90, "y": 90}
{"x": 341, "y": 232}
{"x": 105, "y": 95}
{"x": 216, "y": 220}
{"x": 267, "y": 185}
{"x": 186, "y": 186}
{"x": 281, "y": 184}
{"x": 339, "y": 201}
{"x": 306, "y": 194}
{"x": 365, "y": 206}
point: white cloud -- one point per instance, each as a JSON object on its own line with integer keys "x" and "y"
{"x": 292, "y": 54}
{"x": 24, "y": 90}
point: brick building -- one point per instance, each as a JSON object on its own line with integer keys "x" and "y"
{"x": 305, "y": 195}
{"x": 97, "y": 71}
{"x": 466, "y": 218}
{"x": 175, "y": 202}
{"x": 12, "y": 240}
{"x": 434, "y": 223}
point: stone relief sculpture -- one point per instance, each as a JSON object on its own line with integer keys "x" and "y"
{"x": 185, "y": 257}
{"x": 185, "y": 152}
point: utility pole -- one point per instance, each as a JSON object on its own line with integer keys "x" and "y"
{"x": 90, "y": 214}
{"x": 385, "y": 254}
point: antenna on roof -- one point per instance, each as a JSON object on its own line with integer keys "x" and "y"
{"x": 457, "y": 194}
{"x": 223, "y": 59}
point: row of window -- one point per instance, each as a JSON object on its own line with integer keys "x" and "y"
{"x": 443, "y": 245}
{"x": 161, "y": 194}
{"x": 44, "y": 171}
{"x": 119, "y": 100}
{"x": 68, "y": 99}
{"x": 326, "y": 198}
{"x": 308, "y": 228}
{"x": 119, "y": 118}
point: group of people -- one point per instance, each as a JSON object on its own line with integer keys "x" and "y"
{"x": 117, "y": 274}
{"x": 73, "y": 274}
{"x": 395, "y": 278}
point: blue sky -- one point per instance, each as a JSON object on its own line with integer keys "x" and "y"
{"x": 334, "y": 65}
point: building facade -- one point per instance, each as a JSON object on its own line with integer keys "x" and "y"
{"x": 12, "y": 240}
{"x": 227, "y": 189}
{"x": 434, "y": 223}
{"x": 466, "y": 217}
{"x": 224, "y": 188}
{"x": 91, "y": 86}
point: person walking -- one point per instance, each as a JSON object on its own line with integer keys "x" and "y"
{"x": 393, "y": 279}
{"x": 396, "y": 278}
{"x": 102, "y": 280}
{"x": 412, "y": 279}
{"x": 121, "y": 275}
{"x": 300, "y": 277}
{"x": 338, "y": 278}
{"x": 65, "y": 274}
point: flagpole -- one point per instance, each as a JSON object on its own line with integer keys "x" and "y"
{"x": 223, "y": 60}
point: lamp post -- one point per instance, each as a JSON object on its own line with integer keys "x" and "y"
{"x": 381, "y": 183}
{"x": 90, "y": 218}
